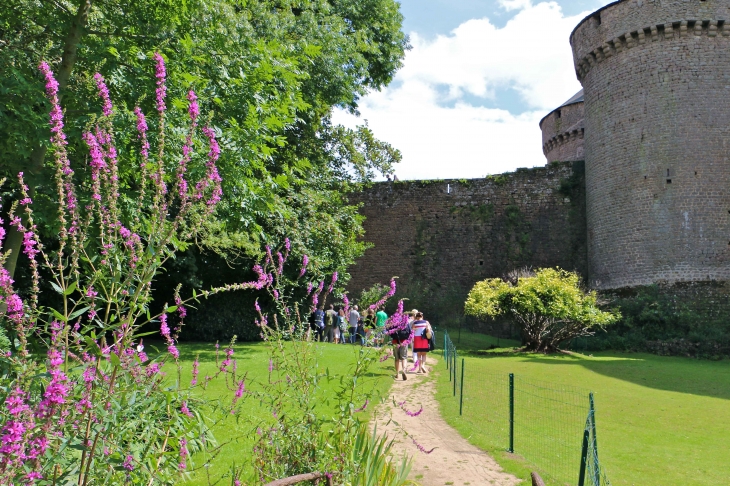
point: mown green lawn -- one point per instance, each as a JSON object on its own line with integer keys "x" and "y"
{"x": 660, "y": 420}
{"x": 254, "y": 359}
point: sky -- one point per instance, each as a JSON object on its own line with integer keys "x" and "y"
{"x": 473, "y": 88}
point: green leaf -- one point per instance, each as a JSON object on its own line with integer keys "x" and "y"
{"x": 70, "y": 289}
{"x": 114, "y": 359}
{"x": 77, "y": 313}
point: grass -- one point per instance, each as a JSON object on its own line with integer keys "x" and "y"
{"x": 253, "y": 358}
{"x": 660, "y": 420}
{"x": 473, "y": 343}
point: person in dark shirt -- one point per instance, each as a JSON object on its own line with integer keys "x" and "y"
{"x": 330, "y": 320}
{"x": 318, "y": 323}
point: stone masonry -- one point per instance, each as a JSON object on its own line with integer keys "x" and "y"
{"x": 656, "y": 80}
{"x": 440, "y": 237}
{"x": 562, "y": 131}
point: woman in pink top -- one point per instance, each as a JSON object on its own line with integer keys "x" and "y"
{"x": 420, "y": 342}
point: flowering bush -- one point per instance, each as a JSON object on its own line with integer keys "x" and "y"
{"x": 304, "y": 434}
{"x": 81, "y": 400}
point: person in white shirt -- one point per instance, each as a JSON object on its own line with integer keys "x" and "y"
{"x": 352, "y": 319}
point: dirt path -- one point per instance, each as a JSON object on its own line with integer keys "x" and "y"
{"x": 453, "y": 461}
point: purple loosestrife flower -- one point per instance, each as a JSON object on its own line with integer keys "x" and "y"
{"x": 164, "y": 328}
{"x": 280, "y": 268}
{"x": 287, "y": 245}
{"x": 128, "y": 463}
{"x": 211, "y": 177}
{"x": 67, "y": 198}
{"x": 388, "y": 295}
{"x": 104, "y": 94}
{"x": 421, "y": 448}
{"x": 15, "y": 402}
{"x": 142, "y": 134}
{"x": 185, "y": 410}
{"x": 153, "y": 369}
{"x": 97, "y": 164}
{"x": 180, "y": 307}
{"x": 257, "y": 306}
{"x": 183, "y": 453}
{"x": 309, "y": 288}
{"x": 193, "y": 108}
{"x": 29, "y": 244}
{"x": 271, "y": 365}
{"x": 402, "y": 405}
{"x": 33, "y": 475}
{"x": 194, "y": 381}
{"x": 173, "y": 351}
{"x": 305, "y": 262}
{"x": 239, "y": 393}
{"x": 332, "y": 285}
{"x": 160, "y": 74}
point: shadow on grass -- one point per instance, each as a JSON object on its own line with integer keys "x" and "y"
{"x": 677, "y": 374}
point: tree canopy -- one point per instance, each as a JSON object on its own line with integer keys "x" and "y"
{"x": 550, "y": 306}
{"x": 269, "y": 72}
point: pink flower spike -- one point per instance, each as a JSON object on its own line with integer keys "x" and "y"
{"x": 305, "y": 262}
{"x": 193, "y": 109}
{"x": 160, "y": 74}
{"x": 104, "y": 94}
{"x": 421, "y": 448}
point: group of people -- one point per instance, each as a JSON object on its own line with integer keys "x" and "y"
{"x": 335, "y": 325}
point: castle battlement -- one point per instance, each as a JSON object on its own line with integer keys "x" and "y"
{"x": 647, "y": 34}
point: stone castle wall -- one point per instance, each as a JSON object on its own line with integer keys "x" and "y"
{"x": 562, "y": 133}
{"x": 440, "y": 237}
{"x": 656, "y": 80}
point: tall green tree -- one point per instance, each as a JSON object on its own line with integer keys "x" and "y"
{"x": 270, "y": 72}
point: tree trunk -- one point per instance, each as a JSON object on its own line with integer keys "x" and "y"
{"x": 70, "y": 50}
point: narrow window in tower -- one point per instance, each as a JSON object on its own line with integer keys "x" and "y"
{"x": 669, "y": 174}
{"x": 557, "y": 114}
{"x": 481, "y": 262}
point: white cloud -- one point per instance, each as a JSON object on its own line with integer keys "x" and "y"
{"x": 425, "y": 115}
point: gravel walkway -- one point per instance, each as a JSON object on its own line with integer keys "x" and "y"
{"x": 453, "y": 461}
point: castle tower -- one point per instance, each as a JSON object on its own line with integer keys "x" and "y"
{"x": 656, "y": 82}
{"x": 562, "y": 131}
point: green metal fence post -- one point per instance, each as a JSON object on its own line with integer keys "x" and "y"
{"x": 449, "y": 365}
{"x": 583, "y": 460}
{"x": 511, "y": 413}
{"x": 455, "y": 372}
{"x": 596, "y": 465}
{"x": 461, "y": 388}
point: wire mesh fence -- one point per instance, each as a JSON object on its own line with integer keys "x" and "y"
{"x": 543, "y": 422}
